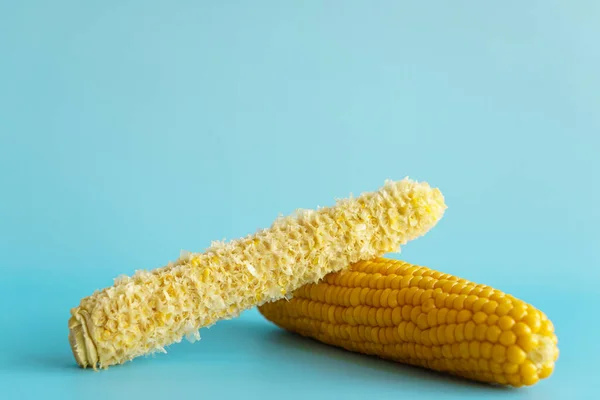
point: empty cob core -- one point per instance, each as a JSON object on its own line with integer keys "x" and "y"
{"x": 144, "y": 313}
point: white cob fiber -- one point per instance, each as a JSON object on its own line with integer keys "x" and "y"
{"x": 150, "y": 310}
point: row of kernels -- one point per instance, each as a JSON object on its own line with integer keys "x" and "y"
{"x": 449, "y": 332}
{"x": 495, "y": 355}
{"x": 415, "y": 287}
{"x": 351, "y": 297}
{"x": 372, "y": 267}
{"x": 372, "y": 348}
{"x": 378, "y": 280}
{"x": 475, "y": 359}
{"x": 374, "y": 315}
{"x": 459, "y": 358}
{"x": 454, "y": 286}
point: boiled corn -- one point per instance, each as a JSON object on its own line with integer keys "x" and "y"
{"x": 150, "y": 310}
{"x": 423, "y": 317}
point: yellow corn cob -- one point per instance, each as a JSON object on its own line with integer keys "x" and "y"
{"x": 143, "y": 313}
{"x": 422, "y": 317}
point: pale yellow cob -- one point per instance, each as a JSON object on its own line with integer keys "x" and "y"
{"x": 150, "y": 310}
{"x": 419, "y": 316}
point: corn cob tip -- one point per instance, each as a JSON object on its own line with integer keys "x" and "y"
{"x": 427, "y": 203}
{"x": 82, "y": 345}
{"x": 544, "y": 354}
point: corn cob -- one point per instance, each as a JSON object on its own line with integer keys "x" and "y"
{"x": 423, "y": 317}
{"x": 150, "y": 310}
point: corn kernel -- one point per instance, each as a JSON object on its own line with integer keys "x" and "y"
{"x": 459, "y": 302}
{"x": 533, "y": 320}
{"x": 527, "y": 342}
{"x": 355, "y": 297}
{"x": 405, "y": 283}
{"x": 479, "y": 317}
{"x": 546, "y": 370}
{"x": 459, "y": 332}
{"x": 410, "y": 294}
{"x": 464, "y": 316}
{"x": 478, "y": 304}
{"x": 470, "y": 300}
{"x": 518, "y": 312}
{"x": 441, "y": 334}
{"x": 507, "y": 338}
{"x": 495, "y": 367}
{"x": 492, "y": 319}
{"x": 449, "y": 333}
{"x": 464, "y": 350}
{"x": 372, "y": 316}
{"x": 433, "y": 336}
{"x": 546, "y": 328}
{"x": 428, "y": 305}
{"x": 520, "y": 329}
{"x": 470, "y": 330}
{"x": 510, "y": 368}
{"x": 483, "y": 363}
{"x": 514, "y": 380}
{"x": 490, "y": 307}
{"x": 493, "y": 334}
{"x": 486, "y": 350}
{"x": 498, "y": 353}
{"x": 395, "y": 282}
{"x": 455, "y": 350}
{"x": 528, "y": 373}
{"x": 414, "y": 314}
{"x": 506, "y": 322}
{"x": 451, "y": 316}
{"x": 474, "y": 349}
{"x": 503, "y": 309}
{"x": 480, "y": 332}
{"x": 441, "y": 316}
{"x": 410, "y": 330}
{"x": 384, "y": 297}
{"x": 432, "y": 317}
{"x": 422, "y": 321}
{"x": 515, "y": 354}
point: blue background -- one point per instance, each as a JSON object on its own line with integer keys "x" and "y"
{"x": 131, "y": 130}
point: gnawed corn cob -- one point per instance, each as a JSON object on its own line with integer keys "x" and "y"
{"x": 150, "y": 310}
{"x": 419, "y": 316}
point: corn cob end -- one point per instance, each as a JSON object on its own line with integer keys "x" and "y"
{"x": 82, "y": 346}
{"x": 544, "y": 355}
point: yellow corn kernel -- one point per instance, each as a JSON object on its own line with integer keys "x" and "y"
{"x": 515, "y": 354}
{"x": 505, "y": 322}
{"x": 507, "y": 338}
{"x": 474, "y": 349}
{"x": 546, "y": 370}
{"x": 492, "y": 320}
{"x": 486, "y": 350}
{"x": 533, "y": 321}
{"x": 528, "y": 342}
{"x": 493, "y": 333}
{"x": 511, "y": 368}
{"x": 497, "y": 338}
{"x": 193, "y": 290}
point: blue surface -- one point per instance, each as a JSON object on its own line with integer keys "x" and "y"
{"x": 131, "y": 130}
